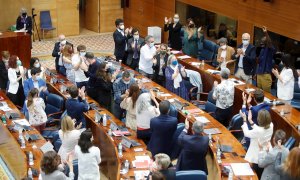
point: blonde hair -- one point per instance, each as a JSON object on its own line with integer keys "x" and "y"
{"x": 292, "y": 163}
{"x": 5, "y": 54}
{"x": 163, "y": 160}
{"x": 264, "y": 119}
{"x": 31, "y": 95}
{"x": 67, "y": 124}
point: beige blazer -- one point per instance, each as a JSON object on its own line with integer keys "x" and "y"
{"x": 229, "y": 52}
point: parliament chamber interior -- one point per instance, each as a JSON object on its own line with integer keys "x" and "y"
{"x": 149, "y": 89}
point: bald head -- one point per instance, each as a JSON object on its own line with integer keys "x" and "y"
{"x": 246, "y": 36}
{"x": 23, "y": 10}
{"x": 61, "y": 37}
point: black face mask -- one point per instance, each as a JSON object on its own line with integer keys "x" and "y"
{"x": 24, "y": 14}
{"x": 191, "y": 25}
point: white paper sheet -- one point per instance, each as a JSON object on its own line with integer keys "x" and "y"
{"x": 22, "y": 122}
{"x": 241, "y": 169}
{"x": 213, "y": 71}
{"x": 202, "y": 119}
{"x": 165, "y": 95}
{"x": 47, "y": 147}
{"x": 184, "y": 57}
{"x": 175, "y": 52}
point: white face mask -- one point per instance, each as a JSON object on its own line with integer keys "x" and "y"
{"x": 64, "y": 42}
{"x": 122, "y": 27}
{"x": 151, "y": 45}
{"x": 176, "y": 20}
{"x": 82, "y": 54}
{"x": 37, "y": 65}
{"x": 136, "y": 37}
{"x": 245, "y": 42}
{"x": 223, "y": 47}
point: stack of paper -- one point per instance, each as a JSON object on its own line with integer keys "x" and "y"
{"x": 21, "y": 122}
{"x": 212, "y": 131}
{"x": 241, "y": 169}
{"x": 184, "y": 57}
{"x": 175, "y": 52}
{"x": 165, "y": 95}
{"x": 213, "y": 71}
{"x": 202, "y": 119}
{"x": 195, "y": 63}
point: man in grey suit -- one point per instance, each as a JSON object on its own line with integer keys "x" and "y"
{"x": 134, "y": 45}
{"x": 267, "y": 156}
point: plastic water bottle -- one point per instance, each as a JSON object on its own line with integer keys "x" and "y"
{"x": 30, "y": 159}
{"x": 210, "y": 139}
{"x": 22, "y": 140}
{"x": 230, "y": 175}
{"x": 104, "y": 120}
{"x": 109, "y": 132}
{"x": 219, "y": 155}
{"x": 30, "y": 173}
{"x": 3, "y": 118}
{"x": 274, "y": 104}
{"x": 126, "y": 166}
{"x": 120, "y": 150}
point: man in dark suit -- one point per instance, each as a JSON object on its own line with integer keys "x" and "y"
{"x": 159, "y": 65}
{"x": 245, "y": 60}
{"x": 58, "y": 47}
{"x": 120, "y": 38}
{"x": 77, "y": 105}
{"x": 260, "y": 105}
{"x": 162, "y": 128}
{"x": 194, "y": 148}
{"x": 24, "y": 21}
{"x": 134, "y": 45}
{"x": 3, "y": 70}
{"x": 174, "y": 32}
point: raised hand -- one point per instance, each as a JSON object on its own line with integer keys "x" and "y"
{"x": 264, "y": 28}
{"x": 166, "y": 20}
{"x": 244, "y": 96}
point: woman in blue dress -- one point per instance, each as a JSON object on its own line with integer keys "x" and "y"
{"x": 174, "y": 81}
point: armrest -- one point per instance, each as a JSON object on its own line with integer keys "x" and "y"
{"x": 198, "y": 102}
{"x": 56, "y": 113}
{"x": 238, "y": 130}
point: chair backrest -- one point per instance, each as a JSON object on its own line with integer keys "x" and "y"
{"x": 45, "y": 19}
{"x": 55, "y": 103}
{"x": 175, "y": 147}
{"x": 191, "y": 175}
{"x": 208, "y": 50}
{"x": 289, "y": 144}
{"x": 296, "y": 92}
{"x": 236, "y": 124}
{"x": 173, "y": 111}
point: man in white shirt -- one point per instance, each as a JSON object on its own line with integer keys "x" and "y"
{"x": 224, "y": 95}
{"x": 78, "y": 63}
{"x": 148, "y": 51}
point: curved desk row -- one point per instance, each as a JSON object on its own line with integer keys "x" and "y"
{"x": 11, "y": 152}
{"x": 287, "y": 122}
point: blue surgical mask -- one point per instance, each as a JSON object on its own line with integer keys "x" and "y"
{"x": 37, "y": 65}
{"x": 151, "y": 45}
{"x": 19, "y": 63}
{"x": 174, "y": 63}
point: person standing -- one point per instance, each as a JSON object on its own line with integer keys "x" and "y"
{"x": 174, "y": 29}
{"x": 134, "y": 46}
{"x": 290, "y": 168}
{"x": 223, "y": 93}
{"x": 24, "y": 22}
{"x": 148, "y": 51}
{"x": 286, "y": 80}
{"x": 225, "y": 53}
{"x": 121, "y": 36}
{"x": 159, "y": 65}
{"x": 16, "y": 77}
{"x": 265, "y": 63}
{"x": 77, "y": 63}
{"x": 3, "y": 69}
{"x": 245, "y": 60}
{"x": 190, "y": 38}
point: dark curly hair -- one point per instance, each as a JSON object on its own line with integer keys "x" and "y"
{"x": 84, "y": 141}
{"x": 50, "y": 162}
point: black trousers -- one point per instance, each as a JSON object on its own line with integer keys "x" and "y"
{"x": 160, "y": 80}
{"x": 134, "y": 64}
{"x": 224, "y": 115}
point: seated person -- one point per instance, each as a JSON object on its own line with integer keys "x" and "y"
{"x": 194, "y": 148}
{"x": 266, "y": 157}
{"x": 144, "y": 113}
{"x": 35, "y": 63}
{"x": 162, "y": 129}
{"x": 260, "y": 104}
{"x": 36, "y": 110}
{"x": 51, "y": 167}
{"x": 77, "y": 105}
{"x": 36, "y": 82}
{"x": 161, "y": 164}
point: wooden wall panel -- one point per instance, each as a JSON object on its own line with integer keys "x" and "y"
{"x": 110, "y": 10}
{"x": 68, "y": 13}
{"x": 10, "y": 11}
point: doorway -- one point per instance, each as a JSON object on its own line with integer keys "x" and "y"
{"x": 89, "y": 16}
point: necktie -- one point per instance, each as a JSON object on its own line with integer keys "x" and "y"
{"x": 135, "y": 53}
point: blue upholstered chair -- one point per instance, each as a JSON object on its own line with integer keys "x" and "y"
{"x": 289, "y": 144}
{"x": 191, "y": 175}
{"x": 45, "y": 22}
{"x": 296, "y": 100}
{"x": 235, "y": 127}
{"x": 175, "y": 147}
{"x": 208, "y": 51}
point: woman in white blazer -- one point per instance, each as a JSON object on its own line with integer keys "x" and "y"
{"x": 260, "y": 133}
{"x": 286, "y": 80}
{"x": 16, "y": 76}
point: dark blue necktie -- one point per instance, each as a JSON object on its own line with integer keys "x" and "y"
{"x": 135, "y": 53}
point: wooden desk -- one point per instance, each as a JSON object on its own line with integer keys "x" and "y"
{"x": 111, "y": 163}
{"x": 17, "y": 44}
{"x": 14, "y": 156}
{"x": 286, "y": 122}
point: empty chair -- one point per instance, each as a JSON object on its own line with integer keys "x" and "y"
{"x": 175, "y": 147}
{"x": 209, "y": 52}
{"x": 191, "y": 175}
{"x": 45, "y": 22}
{"x": 235, "y": 127}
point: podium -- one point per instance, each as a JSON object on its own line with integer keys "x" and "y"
{"x": 17, "y": 43}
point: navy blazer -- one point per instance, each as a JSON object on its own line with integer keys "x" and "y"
{"x": 162, "y": 128}
{"x": 157, "y": 66}
{"x": 75, "y": 109}
{"x": 3, "y": 76}
{"x": 120, "y": 44}
{"x": 249, "y": 60}
{"x": 193, "y": 153}
{"x": 28, "y": 22}
{"x": 28, "y": 86}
